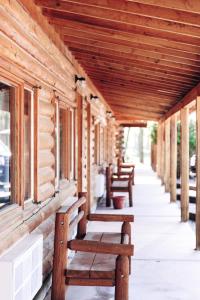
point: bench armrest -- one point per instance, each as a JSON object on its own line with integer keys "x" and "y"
{"x": 110, "y": 218}
{"x": 121, "y": 178}
{"x": 99, "y": 247}
{"x": 122, "y": 173}
{"x": 126, "y": 166}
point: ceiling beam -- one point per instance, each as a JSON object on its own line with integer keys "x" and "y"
{"x": 135, "y": 112}
{"x": 174, "y": 91}
{"x": 179, "y": 73}
{"x": 107, "y": 81}
{"x": 108, "y": 48}
{"x": 166, "y": 46}
{"x": 137, "y": 99}
{"x": 166, "y": 80}
{"x": 188, "y": 6}
{"x": 120, "y": 17}
{"x": 143, "y": 105}
{"x": 146, "y": 10}
{"x": 187, "y": 70}
{"x": 126, "y": 27}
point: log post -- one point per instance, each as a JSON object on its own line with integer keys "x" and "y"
{"x": 173, "y": 157}
{"x": 122, "y": 278}
{"x": 80, "y": 141}
{"x": 162, "y": 166}
{"x": 141, "y": 145}
{"x": 198, "y": 173}
{"x": 89, "y": 126}
{"x": 60, "y": 256}
{"x": 158, "y": 167}
{"x": 167, "y": 156}
{"x": 184, "y": 164}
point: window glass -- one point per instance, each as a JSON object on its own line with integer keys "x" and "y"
{"x": 28, "y": 146}
{"x": 6, "y": 98}
{"x": 64, "y": 143}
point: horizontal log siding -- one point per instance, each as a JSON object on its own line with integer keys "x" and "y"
{"x": 46, "y": 172}
{"x": 28, "y": 53}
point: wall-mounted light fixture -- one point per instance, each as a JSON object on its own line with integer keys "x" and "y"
{"x": 108, "y": 114}
{"x": 80, "y": 81}
{"x": 94, "y": 98}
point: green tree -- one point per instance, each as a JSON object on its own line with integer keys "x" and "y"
{"x": 192, "y": 136}
{"x": 154, "y": 129}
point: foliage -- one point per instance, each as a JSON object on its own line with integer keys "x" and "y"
{"x": 192, "y": 136}
{"x": 154, "y": 129}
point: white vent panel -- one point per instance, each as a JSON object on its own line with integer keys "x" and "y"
{"x": 21, "y": 269}
{"x": 99, "y": 185}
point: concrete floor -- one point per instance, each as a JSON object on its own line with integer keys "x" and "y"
{"x": 165, "y": 265}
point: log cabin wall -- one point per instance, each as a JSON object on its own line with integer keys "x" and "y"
{"x": 34, "y": 60}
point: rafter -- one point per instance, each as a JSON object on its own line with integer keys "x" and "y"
{"x": 146, "y": 9}
{"x": 164, "y": 65}
{"x": 126, "y": 27}
{"x": 166, "y": 45}
{"x": 189, "y": 5}
{"x": 142, "y": 55}
{"x": 120, "y": 17}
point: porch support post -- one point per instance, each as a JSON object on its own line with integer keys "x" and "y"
{"x": 173, "y": 157}
{"x": 184, "y": 164}
{"x": 198, "y": 173}
{"x": 89, "y": 126}
{"x": 141, "y": 145}
{"x": 158, "y": 150}
{"x": 162, "y": 166}
{"x": 167, "y": 156}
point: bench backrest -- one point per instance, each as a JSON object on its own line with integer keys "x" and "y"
{"x": 76, "y": 216}
{"x": 67, "y": 218}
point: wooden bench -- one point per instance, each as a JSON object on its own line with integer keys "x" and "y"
{"x": 126, "y": 169}
{"x": 115, "y": 182}
{"x": 101, "y": 259}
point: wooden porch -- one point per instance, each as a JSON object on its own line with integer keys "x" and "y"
{"x": 73, "y": 74}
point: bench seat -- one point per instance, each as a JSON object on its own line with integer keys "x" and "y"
{"x": 93, "y": 265}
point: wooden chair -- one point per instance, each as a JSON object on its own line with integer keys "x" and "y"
{"x": 117, "y": 183}
{"x": 100, "y": 259}
{"x": 125, "y": 169}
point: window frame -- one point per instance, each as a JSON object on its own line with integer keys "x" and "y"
{"x": 16, "y": 197}
{"x": 32, "y": 152}
{"x": 70, "y": 147}
{"x": 17, "y": 168}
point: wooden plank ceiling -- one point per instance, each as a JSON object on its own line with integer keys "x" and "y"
{"x": 143, "y": 55}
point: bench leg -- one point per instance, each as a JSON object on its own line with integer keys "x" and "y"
{"x": 108, "y": 200}
{"x": 130, "y": 196}
{"x": 122, "y": 278}
{"x": 126, "y": 229}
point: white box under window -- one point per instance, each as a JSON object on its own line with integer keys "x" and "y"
{"x": 21, "y": 269}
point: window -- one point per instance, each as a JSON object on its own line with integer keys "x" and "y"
{"x": 28, "y": 145}
{"x": 97, "y": 144}
{"x": 66, "y": 117}
{"x": 65, "y": 142}
{"x": 7, "y": 138}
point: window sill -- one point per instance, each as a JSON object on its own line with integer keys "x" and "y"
{"x": 11, "y": 216}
